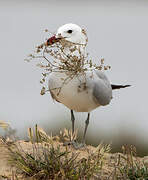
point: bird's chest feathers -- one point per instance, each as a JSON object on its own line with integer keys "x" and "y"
{"x": 73, "y": 92}
{"x": 66, "y": 85}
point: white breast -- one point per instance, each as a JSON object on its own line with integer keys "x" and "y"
{"x": 74, "y": 92}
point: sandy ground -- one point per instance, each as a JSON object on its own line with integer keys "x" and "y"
{"x": 6, "y": 170}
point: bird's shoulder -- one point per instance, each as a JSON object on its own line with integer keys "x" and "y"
{"x": 101, "y": 75}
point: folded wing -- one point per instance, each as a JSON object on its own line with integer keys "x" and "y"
{"x": 102, "y": 90}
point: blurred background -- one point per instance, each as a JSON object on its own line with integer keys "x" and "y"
{"x": 117, "y": 31}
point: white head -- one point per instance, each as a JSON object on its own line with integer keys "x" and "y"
{"x": 70, "y": 32}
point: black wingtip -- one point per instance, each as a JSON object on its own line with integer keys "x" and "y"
{"x": 119, "y": 86}
{"x": 126, "y": 86}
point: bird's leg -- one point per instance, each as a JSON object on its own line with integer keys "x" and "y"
{"x": 81, "y": 145}
{"x": 73, "y": 129}
{"x": 73, "y": 121}
{"x": 74, "y": 143}
{"x": 86, "y": 126}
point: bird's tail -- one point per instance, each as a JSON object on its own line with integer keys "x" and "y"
{"x": 119, "y": 86}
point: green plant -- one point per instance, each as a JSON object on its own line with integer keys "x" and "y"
{"x": 132, "y": 168}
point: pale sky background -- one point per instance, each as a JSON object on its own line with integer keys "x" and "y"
{"x": 117, "y": 31}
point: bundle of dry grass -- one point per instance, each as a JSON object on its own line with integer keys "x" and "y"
{"x": 64, "y": 56}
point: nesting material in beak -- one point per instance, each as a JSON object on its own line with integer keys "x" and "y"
{"x": 52, "y": 40}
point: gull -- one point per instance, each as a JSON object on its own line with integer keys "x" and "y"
{"x": 81, "y": 93}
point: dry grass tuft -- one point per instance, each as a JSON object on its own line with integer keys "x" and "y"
{"x": 45, "y": 157}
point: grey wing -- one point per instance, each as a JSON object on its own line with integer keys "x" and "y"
{"x": 102, "y": 90}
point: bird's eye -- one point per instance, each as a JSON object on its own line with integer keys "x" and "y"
{"x": 69, "y": 31}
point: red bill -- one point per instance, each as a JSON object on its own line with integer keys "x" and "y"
{"x": 52, "y": 40}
